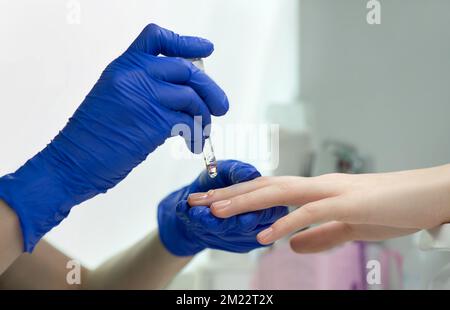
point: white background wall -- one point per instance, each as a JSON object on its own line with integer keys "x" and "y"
{"x": 47, "y": 66}
{"x": 384, "y": 88}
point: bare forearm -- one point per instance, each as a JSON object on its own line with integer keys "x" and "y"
{"x": 146, "y": 265}
{"x": 45, "y": 269}
{"x": 10, "y": 237}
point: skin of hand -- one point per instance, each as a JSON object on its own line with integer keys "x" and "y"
{"x": 145, "y": 265}
{"x": 347, "y": 207}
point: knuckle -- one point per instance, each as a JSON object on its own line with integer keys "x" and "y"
{"x": 354, "y": 208}
{"x": 118, "y": 74}
{"x": 284, "y": 186}
{"x": 282, "y": 191}
{"x": 310, "y": 210}
{"x": 190, "y": 93}
{"x": 152, "y": 30}
{"x": 118, "y": 80}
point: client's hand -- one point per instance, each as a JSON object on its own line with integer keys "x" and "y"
{"x": 348, "y": 207}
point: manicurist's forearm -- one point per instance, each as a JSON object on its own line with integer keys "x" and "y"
{"x": 11, "y": 244}
{"x": 146, "y": 265}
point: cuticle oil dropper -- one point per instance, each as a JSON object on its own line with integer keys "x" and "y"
{"x": 208, "y": 151}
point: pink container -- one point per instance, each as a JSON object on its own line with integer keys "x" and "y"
{"x": 339, "y": 269}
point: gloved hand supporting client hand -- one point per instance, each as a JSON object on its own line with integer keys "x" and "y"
{"x": 186, "y": 230}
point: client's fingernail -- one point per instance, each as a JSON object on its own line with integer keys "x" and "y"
{"x": 198, "y": 196}
{"x": 210, "y": 192}
{"x": 265, "y": 235}
{"x": 220, "y": 205}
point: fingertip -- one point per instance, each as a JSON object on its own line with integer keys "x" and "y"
{"x": 265, "y": 237}
{"x": 191, "y": 202}
{"x": 207, "y": 47}
{"x": 218, "y": 212}
{"x": 262, "y": 241}
{"x": 195, "y": 47}
{"x": 304, "y": 243}
{"x": 207, "y": 129}
{"x": 198, "y": 199}
{"x": 199, "y": 47}
{"x": 206, "y": 124}
{"x": 296, "y": 247}
{"x": 222, "y": 107}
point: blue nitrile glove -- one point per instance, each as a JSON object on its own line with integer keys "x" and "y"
{"x": 129, "y": 112}
{"x": 186, "y": 230}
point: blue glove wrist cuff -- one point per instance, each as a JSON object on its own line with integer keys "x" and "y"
{"x": 38, "y": 198}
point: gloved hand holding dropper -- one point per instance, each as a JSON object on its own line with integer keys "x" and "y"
{"x": 130, "y": 111}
